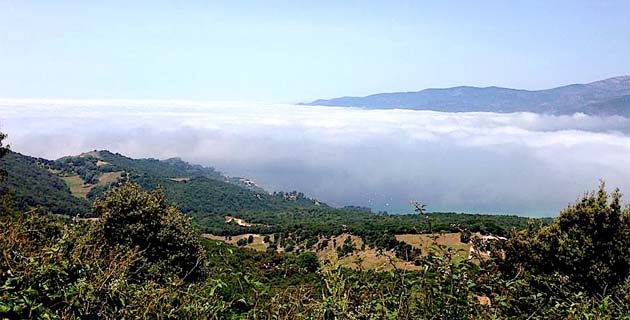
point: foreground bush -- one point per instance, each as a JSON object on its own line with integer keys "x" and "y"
{"x": 163, "y": 236}
{"x": 143, "y": 259}
{"x": 586, "y": 247}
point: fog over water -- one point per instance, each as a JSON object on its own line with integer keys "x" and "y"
{"x": 520, "y": 163}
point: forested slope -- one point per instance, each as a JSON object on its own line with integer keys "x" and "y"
{"x": 32, "y": 185}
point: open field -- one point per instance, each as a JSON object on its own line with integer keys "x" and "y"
{"x": 80, "y": 189}
{"x": 108, "y": 177}
{"x": 100, "y": 163}
{"x": 77, "y": 187}
{"x": 258, "y": 243}
{"x": 426, "y": 242}
{"x": 241, "y": 222}
{"x": 368, "y": 258}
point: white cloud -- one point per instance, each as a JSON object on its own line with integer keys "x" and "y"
{"x": 520, "y": 162}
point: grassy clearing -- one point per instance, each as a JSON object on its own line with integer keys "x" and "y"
{"x": 77, "y": 187}
{"x": 108, "y": 178}
{"x": 100, "y": 163}
{"x": 369, "y": 259}
{"x": 93, "y": 154}
{"x": 80, "y": 189}
{"x": 426, "y": 241}
{"x": 258, "y": 243}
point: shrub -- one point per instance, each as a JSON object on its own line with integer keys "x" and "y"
{"x": 166, "y": 238}
{"x": 588, "y": 245}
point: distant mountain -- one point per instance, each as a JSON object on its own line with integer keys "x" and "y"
{"x": 605, "y": 97}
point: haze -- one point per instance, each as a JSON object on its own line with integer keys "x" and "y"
{"x": 519, "y": 163}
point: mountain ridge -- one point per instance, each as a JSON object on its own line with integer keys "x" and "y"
{"x": 604, "y": 97}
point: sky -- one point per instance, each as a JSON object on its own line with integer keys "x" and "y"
{"x": 290, "y": 51}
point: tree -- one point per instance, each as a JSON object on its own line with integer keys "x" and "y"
{"x": 6, "y": 205}
{"x": 308, "y": 261}
{"x": 587, "y": 245}
{"x": 420, "y": 208}
{"x": 166, "y": 238}
{"x": 3, "y": 151}
{"x": 465, "y": 236}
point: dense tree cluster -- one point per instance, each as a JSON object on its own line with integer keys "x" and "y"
{"x": 165, "y": 237}
{"x": 586, "y": 247}
{"x": 33, "y": 186}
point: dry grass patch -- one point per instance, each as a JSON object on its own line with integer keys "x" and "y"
{"x": 93, "y": 154}
{"x": 369, "y": 259}
{"x": 78, "y": 188}
{"x": 257, "y": 244}
{"x": 100, "y": 163}
{"x": 425, "y": 242}
{"x": 108, "y": 178}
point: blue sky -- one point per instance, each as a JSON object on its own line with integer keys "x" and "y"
{"x": 286, "y": 51}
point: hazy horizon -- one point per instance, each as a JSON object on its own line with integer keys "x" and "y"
{"x": 517, "y": 163}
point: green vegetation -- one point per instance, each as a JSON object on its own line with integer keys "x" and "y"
{"x": 3, "y": 151}
{"x": 203, "y": 194}
{"x": 164, "y": 237}
{"x": 207, "y": 196}
{"x": 106, "y": 269}
{"x": 32, "y": 185}
{"x": 173, "y": 168}
{"x": 587, "y": 247}
{"x": 304, "y": 226}
{"x": 141, "y": 257}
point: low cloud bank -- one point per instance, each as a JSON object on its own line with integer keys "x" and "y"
{"x": 520, "y": 163}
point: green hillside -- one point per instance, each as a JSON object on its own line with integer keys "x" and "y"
{"x": 32, "y": 185}
{"x": 67, "y": 185}
{"x": 170, "y": 168}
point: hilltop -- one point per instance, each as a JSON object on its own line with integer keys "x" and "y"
{"x": 605, "y": 97}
